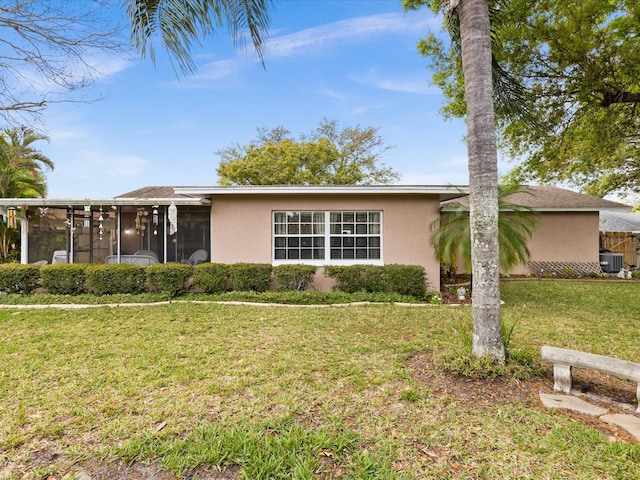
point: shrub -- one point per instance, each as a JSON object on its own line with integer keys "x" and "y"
{"x": 113, "y": 279}
{"x": 169, "y": 278}
{"x": 16, "y": 278}
{"x": 349, "y": 279}
{"x": 250, "y": 276}
{"x": 373, "y": 278}
{"x": 212, "y": 277}
{"x": 635, "y": 274}
{"x": 406, "y": 279}
{"x": 293, "y": 277}
{"x": 64, "y": 278}
{"x": 402, "y": 279}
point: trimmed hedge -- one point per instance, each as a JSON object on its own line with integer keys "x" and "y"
{"x": 114, "y": 279}
{"x": 402, "y": 279}
{"x": 169, "y": 278}
{"x": 17, "y": 278}
{"x": 250, "y": 277}
{"x": 293, "y": 277}
{"x": 64, "y": 278}
{"x": 406, "y": 280}
{"x": 212, "y": 277}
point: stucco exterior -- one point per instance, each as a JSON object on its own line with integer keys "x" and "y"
{"x": 241, "y": 226}
{"x": 564, "y": 237}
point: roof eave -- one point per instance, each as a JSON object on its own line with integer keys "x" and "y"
{"x": 118, "y": 202}
{"x": 443, "y": 191}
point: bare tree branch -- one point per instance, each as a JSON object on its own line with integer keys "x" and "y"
{"x": 51, "y": 49}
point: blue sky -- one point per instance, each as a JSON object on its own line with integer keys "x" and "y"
{"x": 354, "y": 61}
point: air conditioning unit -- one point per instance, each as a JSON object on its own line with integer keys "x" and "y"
{"x": 611, "y": 262}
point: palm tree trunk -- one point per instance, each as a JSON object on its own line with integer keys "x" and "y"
{"x": 483, "y": 178}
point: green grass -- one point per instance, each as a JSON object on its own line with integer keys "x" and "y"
{"x": 298, "y": 392}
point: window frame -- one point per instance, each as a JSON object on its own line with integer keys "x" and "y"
{"x": 327, "y": 236}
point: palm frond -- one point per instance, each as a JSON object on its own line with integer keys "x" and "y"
{"x": 451, "y": 235}
{"x": 181, "y": 23}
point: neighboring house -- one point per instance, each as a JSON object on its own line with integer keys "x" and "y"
{"x": 620, "y": 233}
{"x": 318, "y": 225}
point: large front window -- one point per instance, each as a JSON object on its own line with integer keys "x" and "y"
{"x": 321, "y": 237}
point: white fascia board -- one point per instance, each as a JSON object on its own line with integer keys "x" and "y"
{"x": 451, "y": 191}
{"x": 107, "y": 202}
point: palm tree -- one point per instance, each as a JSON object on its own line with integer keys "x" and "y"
{"x": 183, "y": 22}
{"x": 475, "y": 42}
{"x": 452, "y": 233}
{"x": 21, "y": 174}
{"x": 21, "y": 165}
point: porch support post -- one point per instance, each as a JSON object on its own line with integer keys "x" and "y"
{"x": 24, "y": 240}
{"x": 118, "y": 232}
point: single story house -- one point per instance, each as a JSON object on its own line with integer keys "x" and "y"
{"x": 318, "y": 225}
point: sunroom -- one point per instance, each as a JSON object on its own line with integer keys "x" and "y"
{"x": 154, "y": 226}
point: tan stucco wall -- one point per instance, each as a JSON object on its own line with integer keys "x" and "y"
{"x": 241, "y": 226}
{"x": 564, "y": 237}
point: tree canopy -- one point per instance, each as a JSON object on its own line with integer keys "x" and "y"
{"x": 330, "y": 155}
{"x": 577, "y": 62}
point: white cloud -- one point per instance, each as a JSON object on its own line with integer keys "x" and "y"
{"x": 336, "y": 33}
{"x": 363, "y": 109}
{"x": 314, "y": 39}
{"x": 92, "y": 68}
{"x": 415, "y": 84}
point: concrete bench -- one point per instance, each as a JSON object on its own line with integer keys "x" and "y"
{"x": 563, "y": 359}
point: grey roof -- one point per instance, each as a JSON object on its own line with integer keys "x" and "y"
{"x": 154, "y": 192}
{"x": 550, "y": 198}
{"x": 619, "y": 222}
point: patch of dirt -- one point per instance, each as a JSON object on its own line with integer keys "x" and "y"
{"x": 604, "y": 390}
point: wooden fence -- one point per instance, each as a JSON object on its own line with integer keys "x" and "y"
{"x": 626, "y": 243}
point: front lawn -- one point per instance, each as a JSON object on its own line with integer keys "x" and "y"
{"x": 233, "y": 391}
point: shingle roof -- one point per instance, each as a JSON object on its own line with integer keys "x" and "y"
{"x": 619, "y": 222}
{"x": 153, "y": 192}
{"x": 547, "y": 197}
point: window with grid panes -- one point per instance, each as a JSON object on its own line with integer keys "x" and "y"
{"x": 299, "y": 235}
{"x": 349, "y": 236}
{"x": 355, "y": 235}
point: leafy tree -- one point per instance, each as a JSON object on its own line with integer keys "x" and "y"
{"x": 328, "y": 156}
{"x": 48, "y": 52}
{"x": 469, "y": 26}
{"x": 576, "y": 67}
{"x": 452, "y": 234}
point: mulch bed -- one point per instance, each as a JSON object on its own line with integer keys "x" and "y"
{"x": 604, "y": 390}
